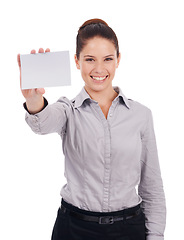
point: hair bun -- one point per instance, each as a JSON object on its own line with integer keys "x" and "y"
{"x": 93, "y": 21}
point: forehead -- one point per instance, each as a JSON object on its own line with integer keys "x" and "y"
{"x": 98, "y": 46}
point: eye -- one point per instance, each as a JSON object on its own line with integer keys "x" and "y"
{"x": 108, "y": 59}
{"x": 89, "y": 59}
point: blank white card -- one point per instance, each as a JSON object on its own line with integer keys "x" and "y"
{"x": 48, "y": 69}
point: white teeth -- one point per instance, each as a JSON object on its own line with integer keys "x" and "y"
{"x": 99, "y": 78}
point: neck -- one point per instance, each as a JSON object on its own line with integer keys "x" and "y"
{"x": 102, "y": 97}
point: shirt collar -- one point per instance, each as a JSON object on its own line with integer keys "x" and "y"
{"x": 122, "y": 96}
{"x": 83, "y": 95}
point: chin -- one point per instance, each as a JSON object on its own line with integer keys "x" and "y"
{"x": 96, "y": 88}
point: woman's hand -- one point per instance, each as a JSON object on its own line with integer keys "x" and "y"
{"x": 34, "y": 98}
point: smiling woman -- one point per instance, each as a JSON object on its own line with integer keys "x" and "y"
{"x": 97, "y": 56}
{"x": 109, "y": 147}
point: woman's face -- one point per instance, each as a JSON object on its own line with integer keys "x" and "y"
{"x": 98, "y": 62}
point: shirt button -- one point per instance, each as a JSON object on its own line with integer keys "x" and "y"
{"x": 110, "y": 114}
{"x": 35, "y": 120}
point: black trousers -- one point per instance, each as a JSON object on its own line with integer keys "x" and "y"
{"x": 68, "y": 227}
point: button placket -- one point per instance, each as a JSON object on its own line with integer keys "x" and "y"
{"x": 107, "y": 153}
{"x": 106, "y": 166}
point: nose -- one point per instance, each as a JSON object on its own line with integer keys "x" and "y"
{"x": 99, "y": 68}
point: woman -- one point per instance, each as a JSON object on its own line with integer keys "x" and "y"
{"x": 109, "y": 147}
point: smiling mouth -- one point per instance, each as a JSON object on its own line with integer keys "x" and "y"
{"x": 100, "y": 79}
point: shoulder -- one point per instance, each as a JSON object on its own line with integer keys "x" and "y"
{"x": 139, "y": 109}
{"x": 65, "y": 101}
{"x": 141, "y": 114}
{"x": 135, "y": 105}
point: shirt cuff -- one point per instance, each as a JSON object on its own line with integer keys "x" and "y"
{"x": 45, "y": 105}
{"x": 154, "y": 237}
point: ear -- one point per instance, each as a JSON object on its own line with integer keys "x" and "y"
{"x": 118, "y": 60}
{"x": 77, "y": 61}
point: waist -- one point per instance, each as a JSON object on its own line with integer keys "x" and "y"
{"x": 126, "y": 211}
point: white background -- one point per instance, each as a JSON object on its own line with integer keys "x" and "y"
{"x": 151, "y": 39}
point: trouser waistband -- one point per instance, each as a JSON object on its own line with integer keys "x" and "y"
{"x": 100, "y": 217}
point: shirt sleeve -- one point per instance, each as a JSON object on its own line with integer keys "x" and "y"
{"x": 52, "y": 118}
{"x": 151, "y": 186}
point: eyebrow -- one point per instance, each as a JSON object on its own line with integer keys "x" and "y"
{"x": 110, "y": 55}
{"x": 88, "y": 56}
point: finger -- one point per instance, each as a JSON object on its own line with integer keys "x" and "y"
{"x": 47, "y": 50}
{"x": 41, "y": 50}
{"x": 40, "y": 90}
{"x": 18, "y": 60}
{"x": 33, "y": 51}
{"x": 19, "y": 63}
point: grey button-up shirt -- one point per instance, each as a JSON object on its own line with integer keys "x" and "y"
{"x": 110, "y": 164}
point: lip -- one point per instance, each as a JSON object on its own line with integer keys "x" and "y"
{"x": 99, "y": 81}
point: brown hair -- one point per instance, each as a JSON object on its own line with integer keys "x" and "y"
{"x": 92, "y": 28}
